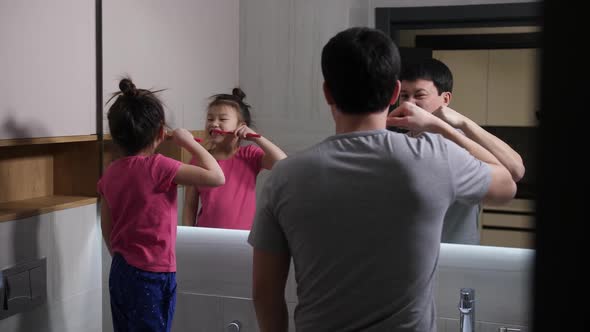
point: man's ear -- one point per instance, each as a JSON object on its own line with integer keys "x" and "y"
{"x": 327, "y": 94}
{"x": 447, "y": 96}
{"x": 396, "y": 91}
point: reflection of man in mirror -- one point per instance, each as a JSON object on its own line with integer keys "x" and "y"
{"x": 361, "y": 212}
{"x": 429, "y": 84}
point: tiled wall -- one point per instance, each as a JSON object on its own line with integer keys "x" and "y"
{"x": 70, "y": 240}
{"x": 215, "y": 276}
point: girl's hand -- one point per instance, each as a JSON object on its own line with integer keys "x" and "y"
{"x": 243, "y": 131}
{"x": 182, "y": 137}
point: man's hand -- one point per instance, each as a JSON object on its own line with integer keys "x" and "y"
{"x": 411, "y": 117}
{"x": 450, "y": 116}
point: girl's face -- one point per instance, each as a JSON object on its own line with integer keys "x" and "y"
{"x": 223, "y": 117}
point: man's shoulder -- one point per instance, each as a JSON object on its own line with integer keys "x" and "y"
{"x": 300, "y": 157}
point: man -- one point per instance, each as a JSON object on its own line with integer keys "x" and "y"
{"x": 429, "y": 84}
{"x": 361, "y": 212}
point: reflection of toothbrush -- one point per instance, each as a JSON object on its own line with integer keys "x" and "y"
{"x": 223, "y": 132}
{"x": 168, "y": 135}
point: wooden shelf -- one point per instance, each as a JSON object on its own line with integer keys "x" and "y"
{"x": 516, "y": 205}
{"x": 507, "y": 221}
{"x": 38, "y": 177}
{"x": 47, "y": 140}
{"x": 35, "y": 206}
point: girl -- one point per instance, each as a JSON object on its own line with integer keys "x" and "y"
{"x": 138, "y": 219}
{"x": 233, "y": 204}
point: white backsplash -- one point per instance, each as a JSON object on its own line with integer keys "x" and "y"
{"x": 215, "y": 273}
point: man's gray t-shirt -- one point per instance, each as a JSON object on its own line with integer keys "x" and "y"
{"x": 461, "y": 224}
{"x": 361, "y": 214}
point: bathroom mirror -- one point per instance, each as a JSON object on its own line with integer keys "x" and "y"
{"x": 493, "y": 51}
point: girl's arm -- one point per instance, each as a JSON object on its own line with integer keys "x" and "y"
{"x": 105, "y": 223}
{"x": 189, "y": 211}
{"x": 207, "y": 171}
{"x": 272, "y": 153}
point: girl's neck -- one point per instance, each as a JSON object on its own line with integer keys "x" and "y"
{"x": 224, "y": 151}
{"x": 145, "y": 153}
{"x": 148, "y": 151}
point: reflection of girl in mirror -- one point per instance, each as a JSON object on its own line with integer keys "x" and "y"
{"x": 233, "y": 204}
{"x": 138, "y": 209}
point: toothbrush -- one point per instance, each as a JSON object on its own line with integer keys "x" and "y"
{"x": 223, "y": 132}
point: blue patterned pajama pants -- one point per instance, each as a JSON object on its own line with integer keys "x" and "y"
{"x": 141, "y": 301}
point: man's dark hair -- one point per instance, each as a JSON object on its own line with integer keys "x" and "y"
{"x": 429, "y": 70}
{"x": 361, "y": 67}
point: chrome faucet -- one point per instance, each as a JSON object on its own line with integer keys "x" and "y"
{"x": 234, "y": 326}
{"x": 467, "y": 310}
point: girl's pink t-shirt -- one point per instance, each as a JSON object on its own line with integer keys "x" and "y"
{"x": 233, "y": 204}
{"x": 141, "y": 195}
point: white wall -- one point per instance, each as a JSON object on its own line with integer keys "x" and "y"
{"x": 48, "y": 68}
{"x": 70, "y": 240}
{"x": 189, "y": 47}
{"x": 280, "y": 47}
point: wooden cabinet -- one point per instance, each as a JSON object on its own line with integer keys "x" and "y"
{"x": 512, "y": 225}
{"x": 48, "y": 66}
{"x": 512, "y": 87}
{"x": 504, "y": 229}
{"x": 48, "y": 148}
{"x": 470, "y": 81}
{"x": 494, "y": 87}
{"x": 507, "y": 238}
{"x": 44, "y": 175}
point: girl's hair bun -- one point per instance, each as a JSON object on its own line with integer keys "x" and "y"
{"x": 238, "y": 93}
{"x": 127, "y": 87}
